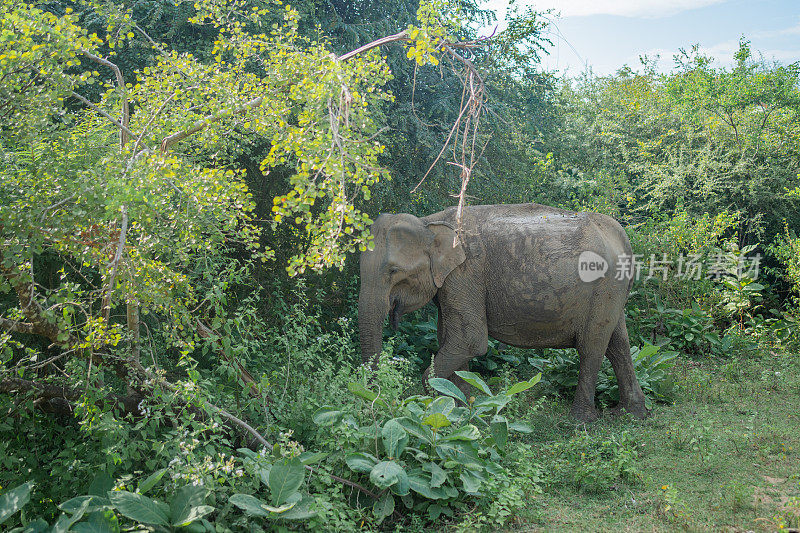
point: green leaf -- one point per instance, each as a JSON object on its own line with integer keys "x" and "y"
{"x": 524, "y": 385}
{"x": 14, "y": 500}
{"x": 96, "y": 503}
{"x": 471, "y": 481}
{"x": 474, "y": 380}
{"x": 64, "y": 522}
{"x": 421, "y": 484}
{"x": 499, "y": 430}
{"x": 101, "y": 485}
{"x": 99, "y": 522}
{"x": 416, "y": 429}
{"x": 468, "y": 433}
{"x": 285, "y": 478}
{"x": 363, "y": 392}
{"x": 310, "y": 458}
{"x": 395, "y": 438}
{"x": 383, "y": 507}
{"x": 249, "y": 504}
{"x": 327, "y": 416}
{"x": 492, "y": 402}
{"x": 438, "y": 475}
{"x": 361, "y": 462}
{"x": 151, "y": 481}
{"x": 291, "y": 501}
{"x": 436, "y": 421}
{"x": 442, "y": 404}
{"x": 401, "y": 488}
{"x": 140, "y": 508}
{"x": 301, "y": 510}
{"x": 385, "y": 474}
{"x": 520, "y": 427}
{"x": 187, "y": 505}
{"x": 447, "y": 387}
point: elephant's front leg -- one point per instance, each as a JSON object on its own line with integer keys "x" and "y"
{"x": 463, "y": 335}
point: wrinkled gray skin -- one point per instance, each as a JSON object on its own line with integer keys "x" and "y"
{"x": 515, "y": 277}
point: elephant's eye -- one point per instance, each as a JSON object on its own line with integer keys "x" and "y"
{"x": 393, "y": 270}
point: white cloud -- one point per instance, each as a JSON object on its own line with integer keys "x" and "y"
{"x": 623, "y": 8}
{"x": 793, "y": 30}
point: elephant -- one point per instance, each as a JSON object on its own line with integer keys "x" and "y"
{"x": 529, "y": 275}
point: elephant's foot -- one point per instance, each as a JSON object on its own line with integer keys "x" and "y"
{"x": 637, "y": 409}
{"x": 584, "y": 413}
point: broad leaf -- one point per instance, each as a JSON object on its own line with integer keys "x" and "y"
{"x": 301, "y": 510}
{"x": 249, "y": 504}
{"x": 14, "y": 500}
{"x": 471, "y": 481}
{"x": 442, "y": 404}
{"x": 310, "y": 458}
{"x": 438, "y": 475}
{"x": 421, "y": 484}
{"x": 99, "y": 522}
{"x": 96, "y": 503}
{"x": 140, "y": 508}
{"x": 499, "y": 431}
{"x": 394, "y": 437}
{"x": 327, "y": 416}
{"x": 101, "y": 484}
{"x": 65, "y": 522}
{"x": 524, "y": 385}
{"x": 468, "y": 433}
{"x": 385, "y": 474}
{"x": 446, "y": 386}
{"x": 187, "y": 505}
{"x": 402, "y": 487}
{"x": 492, "y": 402}
{"x": 363, "y": 392}
{"x": 475, "y": 380}
{"x": 436, "y": 421}
{"x": 361, "y": 462}
{"x": 151, "y": 481}
{"x": 290, "y": 503}
{"x": 285, "y": 477}
{"x": 520, "y": 427}
{"x": 416, "y": 429}
{"x": 383, "y": 507}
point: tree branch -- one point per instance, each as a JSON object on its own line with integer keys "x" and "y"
{"x": 202, "y": 123}
{"x": 123, "y": 128}
{"x": 48, "y": 392}
{"x": 125, "y": 115}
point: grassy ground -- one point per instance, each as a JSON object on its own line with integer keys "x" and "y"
{"x": 724, "y": 457}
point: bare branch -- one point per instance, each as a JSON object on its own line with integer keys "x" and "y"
{"x": 125, "y": 115}
{"x": 202, "y": 123}
{"x": 402, "y": 36}
{"x": 106, "y": 307}
{"x": 57, "y": 397}
{"x": 17, "y": 326}
{"x": 123, "y": 128}
{"x": 247, "y": 378}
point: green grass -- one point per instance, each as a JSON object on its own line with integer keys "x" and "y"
{"x": 724, "y": 457}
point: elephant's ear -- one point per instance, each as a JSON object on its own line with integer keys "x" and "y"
{"x": 446, "y": 253}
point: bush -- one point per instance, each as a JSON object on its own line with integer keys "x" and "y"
{"x": 595, "y": 462}
{"x": 559, "y": 368}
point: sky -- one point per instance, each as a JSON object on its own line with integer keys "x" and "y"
{"x": 607, "y": 34}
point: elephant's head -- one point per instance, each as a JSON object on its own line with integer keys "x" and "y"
{"x": 409, "y": 263}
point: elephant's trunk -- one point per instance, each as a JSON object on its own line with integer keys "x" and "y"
{"x": 372, "y": 311}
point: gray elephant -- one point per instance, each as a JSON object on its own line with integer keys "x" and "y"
{"x": 528, "y": 275}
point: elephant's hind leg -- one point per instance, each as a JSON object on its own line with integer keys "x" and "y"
{"x": 631, "y": 397}
{"x": 591, "y": 349}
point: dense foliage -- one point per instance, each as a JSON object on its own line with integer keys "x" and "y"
{"x": 179, "y": 178}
